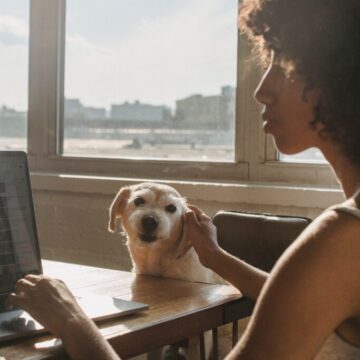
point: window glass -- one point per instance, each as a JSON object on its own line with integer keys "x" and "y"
{"x": 150, "y": 79}
{"x": 312, "y": 155}
{"x": 14, "y": 49}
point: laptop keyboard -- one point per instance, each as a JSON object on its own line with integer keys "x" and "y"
{"x": 2, "y": 302}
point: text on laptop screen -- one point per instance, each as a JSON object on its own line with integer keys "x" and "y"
{"x": 18, "y": 243}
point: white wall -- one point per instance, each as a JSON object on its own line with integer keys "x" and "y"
{"x": 72, "y": 212}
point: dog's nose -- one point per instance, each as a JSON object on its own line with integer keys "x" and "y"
{"x": 149, "y": 223}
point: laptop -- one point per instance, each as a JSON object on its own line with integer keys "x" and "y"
{"x": 20, "y": 253}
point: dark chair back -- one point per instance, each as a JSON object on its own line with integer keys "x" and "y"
{"x": 258, "y": 239}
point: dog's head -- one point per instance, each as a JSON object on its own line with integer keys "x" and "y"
{"x": 152, "y": 215}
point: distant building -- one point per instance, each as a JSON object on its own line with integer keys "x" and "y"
{"x": 13, "y": 123}
{"x": 216, "y": 111}
{"x": 6, "y": 112}
{"x": 72, "y": 106}
{"x": 74, "y": 109}
{"x": 93, "y": 113}
{"x": 138, "y": 112}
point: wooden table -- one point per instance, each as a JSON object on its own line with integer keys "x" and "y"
{"x": 177, "y": 309}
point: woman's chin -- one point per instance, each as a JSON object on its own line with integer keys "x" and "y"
{"x": 286, "y": 149}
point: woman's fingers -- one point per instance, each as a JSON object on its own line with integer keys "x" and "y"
{"x": 200, "y": 215}
{"x": 192, "y": 222}
{"x": 201, "y": 233}
{"x": 18, "y": 298}
{"x": 195, "y": 209}
{"x": 15, "y": 300}
{"x": 48, "y": 300}
{"x": 24, "y": 290}
{"x": 190, "y": 214}
{"x": 33, "y": 278}
{"x": 23, "y": 285}
{"x": 198, "y": 227}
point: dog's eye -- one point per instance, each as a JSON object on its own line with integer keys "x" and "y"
{"x": 139, "y": 201}
{"x": 171, "y": 208}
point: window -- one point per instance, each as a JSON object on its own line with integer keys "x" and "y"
{"x": 150, "y": 79}
{"x": 310, "y": 156}
{"x": 14, "y": 41}
{"x": 97, "y": 109}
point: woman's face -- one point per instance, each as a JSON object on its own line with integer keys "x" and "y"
{"x": 287, "y": 114}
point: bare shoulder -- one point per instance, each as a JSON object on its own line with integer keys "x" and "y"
{"x": 331, "y": 231}
{"x": 312, "y": 289}
{"x": 327, "y": 253}
{"x": 332, "y": 236}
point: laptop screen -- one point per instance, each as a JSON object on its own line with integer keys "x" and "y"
{"x": 19, "y": 249}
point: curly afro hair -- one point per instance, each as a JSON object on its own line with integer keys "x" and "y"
{"x": 319, "y": 40}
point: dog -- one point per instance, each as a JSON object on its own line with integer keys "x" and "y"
{"x": 152, "y": 216}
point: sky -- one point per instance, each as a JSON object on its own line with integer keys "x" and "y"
{"x": 154, "y": 51}
{"x": 14, "y": 34}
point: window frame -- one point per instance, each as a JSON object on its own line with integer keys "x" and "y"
{"x": 255, "y": 155}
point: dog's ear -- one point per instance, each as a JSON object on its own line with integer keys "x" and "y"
{"x": 117, "y": 207}
{"x": 184, "y": 243}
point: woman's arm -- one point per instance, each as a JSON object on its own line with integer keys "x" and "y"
{"x": 50, "y": 302}
{"x": 83, "y": 340}
{"x": 313, "y": 288}
{"x": 245, "y": 277}
{"x": 202, "y": 234}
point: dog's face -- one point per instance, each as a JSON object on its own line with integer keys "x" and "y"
{"x": 151, "y": 214}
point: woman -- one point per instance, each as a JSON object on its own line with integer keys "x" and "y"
{"x": 309, "y": 305}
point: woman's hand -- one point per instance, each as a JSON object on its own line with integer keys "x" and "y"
{"x": 202, "y": 234}
{"x": 48, "y": 301}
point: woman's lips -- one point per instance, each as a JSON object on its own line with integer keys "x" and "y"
{"x": 268, "y": 123}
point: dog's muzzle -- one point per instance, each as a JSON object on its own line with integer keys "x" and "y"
{"x": 149, "y": 224}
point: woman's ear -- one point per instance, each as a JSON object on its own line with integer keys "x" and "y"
{"x": 117, "y": 207}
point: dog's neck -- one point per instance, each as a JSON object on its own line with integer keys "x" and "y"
{"x": 146, "y": 260}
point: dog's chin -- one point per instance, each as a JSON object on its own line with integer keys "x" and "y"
{"x": 148, "y": 238}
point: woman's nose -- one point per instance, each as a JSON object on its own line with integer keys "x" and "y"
{"x": 265, "y": 91}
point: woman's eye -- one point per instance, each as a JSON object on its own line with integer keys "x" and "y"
{"x": 139, "y": 201}
{"x": 171, "y": 208}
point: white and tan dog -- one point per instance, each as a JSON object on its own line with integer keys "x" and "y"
{"x": 152, "y": 216}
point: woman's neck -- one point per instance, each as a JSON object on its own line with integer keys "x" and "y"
{"x": 346, "y": 171}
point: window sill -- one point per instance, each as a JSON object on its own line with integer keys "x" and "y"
{"x": 246, "y": 193}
